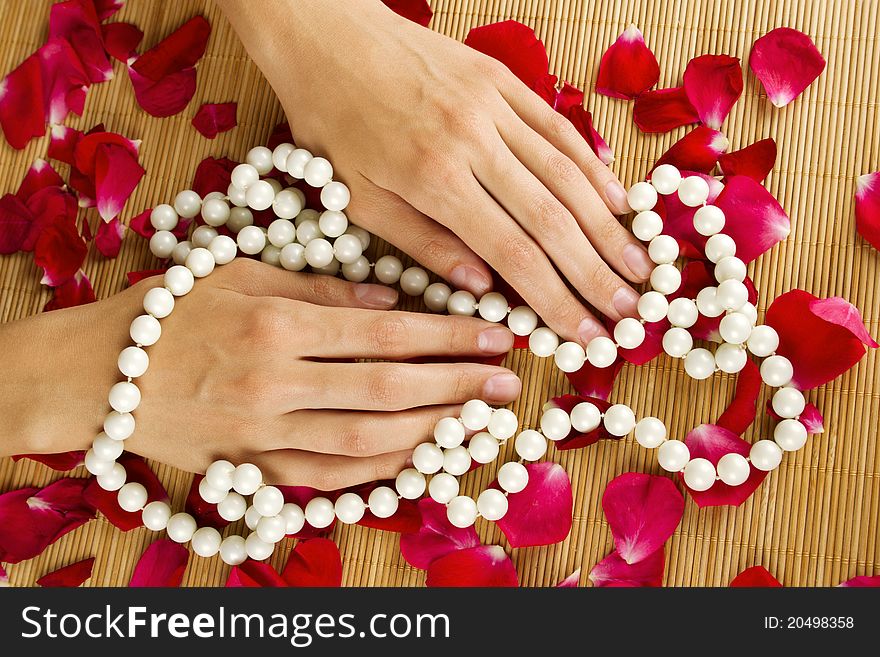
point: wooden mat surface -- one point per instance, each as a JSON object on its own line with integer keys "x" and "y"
{"x": 813, "y": 522}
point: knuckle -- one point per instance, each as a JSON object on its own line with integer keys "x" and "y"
{"x": 459, "y": 118}
{"x": 549, "y": 217}
{"x": 520, "y": 249}
{"x": 267, "y": 323}
{"x": 382, "y": 388}
{"x": 323, "y": 288}
{"x": 251, "y": 387}
{"x": 432, "y": 250}
{"x": 325, "y": 479}
{"x": 561, "y": 168}
{"x": 389, "y": 335}
{"x": 357, "y": 441}
{"x": 600, "y": 278}
{"x": 491, "y": 70}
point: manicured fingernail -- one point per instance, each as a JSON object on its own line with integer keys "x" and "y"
{"x": 588, "y": 330}
{"x": 502, "y": 387}
{"x": 468, "y": 278}
{"x": 617, "y": 196}
{"x": 495, "y": 340}
{"x": 377, "y": 296}
{"x": 625, "y": 301}
{"x": 636, "y": 258}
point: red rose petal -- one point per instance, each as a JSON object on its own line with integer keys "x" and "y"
{"x": 205, "y": 513}
{"x": 254, "y": 574}
{"x": 105, "y": 501}
{"x": 137, "y": 276}
{"x": 628, "y": 67}
{"x": 650, "y": 348}
{"x": 755, "y": 220}
{"x": 486, "y": 565}
{"x": 713, "y": 84}
{"x": 613, "y": 571}
{"x": 60, "y": 462}
{"x": 810, "y": 417}
{"x": 280, "y": 135}
{"x": 31, "y": 519}
{"x": 663, "y": 110}
{"x": 15, "y": 224}
{"x": 698, "y": 150}
{"x": 571, "y": 582}
{"x": 591, "y": 381}
{"x": 756, "y": 576}
{"x": 69, "y": 576}
{"x": 540, "y": 514}
{"x": 214, "y": 118}
{"x": 22, "y": 107}
{"x": 575, "y": 439}
{"x": 755, "y": 161}
{"x": 4, "y": 578}
{"x": 822, "y": 338}
{"x": 141, "y": 225}
{"x": 868, "y": 208}
{"x": 178, "y": 51}
{"x": 64, "y": 80}
{"x": 85, "y": 155}
{"x": 711, "y": 442}
{"x": 77, "y": 22}
{"x": 418, "y": 11}
{"x": 106, "y": 8}
{"x": 75, "y": 291}
{"x": 117, "y": 173}
{"x": 302, "y": 495}
{"x": 121, "y": 40}
{"x": 62, "y": 143}
{"x": 786, "y": 62}
{"x": 862, "y": 581}
{"x": 213, "y": 175}
{"x": 162, "y": 564}
{"x": 407, "y": 518}
{"x": 678, "y": 219}
{"x": 314, "y": 562}
{"x": 642, "y": 511}
{"x": 59, "y": 248}
{"x": 741, "y": 412}
{"x": 39, "y": 176}
{"x": 48, "y": 206}
{"x": 582, "y": 121}
{"x": 108, "y": 239}
{"x": 436, "y": 537}
{"x": 168, "y": 96}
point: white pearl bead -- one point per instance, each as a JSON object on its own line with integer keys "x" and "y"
{"x": 763, "y": 341}
{"x": 765, "y": 455}
{"x": 388, "y": 269}
{"x": 503, "y": 423}
{"x": 647, "y": 225}
{"x": 483, "y": 448}
{"x": 475, "y": 414}
{"x": 699, "y": 474}
{"x": 555, "y": 424}
{"x": 239, "y": 218}
{"x": 159, "y": 302}
{"x": 666, "y": 178}
{"x": 427, "y": 458}
{"x": 280, "y": 155}
{"x": 513, "y": 477}
{"x": 382, "y": 502}
{"x": 258, "y": 549}
{"x": 294, "y": 518}
{"x": 673, "y": 455}
{"x": 730, "y": 358}
{"x": 308, "y": 215}
{"x": 449, "y": 432}
{"x": 260, "y": 195}
{"x": 296, "y": 162}
{"x": 629, "y": 333}
{"x": 730, "y": 268}
{"x": 788, "y": 402}
{"x": 96, "y": 465}
{"x": 271, "y": 255}
{"x": 720, "y": 246}
{"x": 732, "y": 294}
{"x": 543, "y": 342}
{"x": 320, "y": 512}
{"x": 652, "y": 306}
{"x": 361, "y": 234}
{"x": 492, "y": 307}
{"x": 251, "y": 240}
{"x": 293, "y": 257}
{"x": 410, "y": 483}
{"x": 699, "y": 364}
{"x": 530, "y": 445}
{"x": 124, "y": 397}
{"x": 237, "y": 198}
{"x": 735, "y": 328}
{"x": 619, "y": 420}
{"x": 585, "y": 417}
{"x": 318, "y": 172}
{"x": 677, "y": 342}
{"x": 268, "y": 500}
{"x": 118, "y": 426}
{"x": 522, "y": 320}
{"x": 206, "y": 541}
{"x": 413, "y": 281}
{"x": 443, "y": 488}
{"x": 246, "y": 479}
{"x": 281, "y": 232}
{"x": 215, "y": 212}
{"x": 244, "y": 175}
{"x": 790, "y": 435}
{"x": 162, "y": 244}
{"x": 462, "y": 511}
{"x": 359, "y": 271}
{"x": 105, "y": 448}
{"x": 276, "y": 186}
{"x": 145, "y": 330}
{"x": 749, "y": 310}
{"x": 492, "y": 504}
{"x": 708, "y": 220}
{"x": 777, "y": 371}
{"x": 665, "y": 279}
{"x": 663, "y": 250}
{"x": 347, "y": 249}
{"x": 350, "y": 508}
{"x": 260, "y": 158}
{"x": 113, "y": 480}
{"x": 132, "y": 496}
{"x": 271, "y": 529}
{"x": 335, "y": 196}
{"x": 707, "y": 302}
{"x": 436, "y": 296}
{"x": 133, "y": 362}
{"x": 187, "y": 204}
{"x": 642, "y": 196}
{"x": 461, "y": 302}
{"x": 683, "y": 312}
{"x": 333, "y": 223}
{"x": 200, "y": 262}
{"x": 202, "y": 236}
{"x": 319, "y": 252}
{"x": 456, "y": 461}
{"x": 223, "y": 249}
{"x": 733, "y": 469}
{"x": 179, "y": 280}
{"x": 601, "y": 352}
{"x": 210, "y": 494}
{"x": 163, "y": 217}
{"x": 155, "y": 516}
{"x": 233, "y": 551}
{"x": 650, "y": 432}
{"x": 693, "y": 191}
{"x": 232, "y": 507}
{"x": 570, "y": 356}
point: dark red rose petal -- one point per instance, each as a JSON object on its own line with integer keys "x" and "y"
{"x": 77, "y": 22}
{"x": 486, "y": 565}
{"x": 663, "y": 110}
{"x": 69, "y": 576}
{"x": 406, "y": 519}
{"x": 22, "y": 105}
{"x": 418, "y": 11}
{"x": 121, "y": 40}
{"x": 678, "y": 219}
{"x": 613, "y": 571}
{"x": 756, "y": 576}
{"x": 105, "y": 501}
{"x": 39, "y": 176}
{"x": 205, "y": 513}
{"x": 166, "y": 97}
{"x": 591, "y": 381}
{"x": 214, "y": 118}
{"x": 180, "y": 50}
{"x": 711, "y": 442}
{"x": 60, "y": 462}
{"x": 162, "y": 564}
{"x": 713, "y": 84}
{"x": 302, "y": 495}
{"x": 213, "y": 175}
{"x": 755, "y": 161}
{"x": 575, "y": 439}
{"x": 868, "y": 208}
{"x": 755, "y": 220}
{"x": 741, "y": 412}
{"x": 541, "y": 513}
{"x": 106, "y": 8}
{"x": 280, "y": 135}
{"x": 108, "y": 239}
{"x": 314, "y": 562}
{"x": 15, "y": 224}
{"x": 786, "y": 62}
{"x": 698, "y": 150}
{"x": 75, "y": 291}
{"x": 59, "y": 249}
{"x": 436, "y": 537}
{"x": 48, "y": 206}
{"x": 628, "y": 68}
{"x": 137, "y": 276}
{"x": 254, "y": 574}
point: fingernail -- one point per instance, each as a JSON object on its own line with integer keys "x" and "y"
{"x": 495, "y": 340}
{"x": 589, "y": 329}
{"x": 377, "y": 296}
{"x": 636, "y": 258}
{"x": 625, "y": 301}
{"x": 502, "y": 387}
{"x": 469, "y": 278}
{"x": 617, "y": 196}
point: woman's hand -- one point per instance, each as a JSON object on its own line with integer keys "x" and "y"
{"x": 254, "y": 365}
{"x": 449, "y": 156}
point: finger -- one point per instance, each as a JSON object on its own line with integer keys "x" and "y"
{"x": 348, "y": 333}
{"x": 358, "y": 433}
{"x": 400, "y": 386}
{"x": 427, "y": 242}
{"x": 326, "y": 472}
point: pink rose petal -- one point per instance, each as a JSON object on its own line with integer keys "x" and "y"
{"x": 571, "y": 582}
{"x": 613, "y": 571}
{"x": 69, "y": 576}
{"x": 108, "y": 239}
{"x": 205, "y": 513}
{"x": 698, "y": 150}
{"x": 862, "y": 581}
{"x": 756, "y": 576}
{"x": 75, "y": 291}
{"x": 436, "y": 537}
{"x": 642, "y": 511}
{"x": 711, "y": 442}
{"x": 713, "y": 84}
{"x": 121, "y": 40}
{"x": 254, "y": 574}
{"x": 22, "y": 106}
{"x": 214, "y": 118}
{"x": 486, "y": 565}
{"x": 868, "y": 208}
{"x": 755, "y": 161}
{"x": 576, "y": 439}
{"x": 167, "y": 96}
{"x": 60, "y": 462}
{"x": 418, "y": 11}
{"x": 39, "y": 176}
{"x": 4, "y": 578}
{"x": 786, "y": 62}
{"x": 741, "y": 412}
{"x": 106, "y": 502}
{"x": 755, "y": 220}
{"x": 314, "y": 562}
{"x": 64, "y": 80}
{"x": 663, "y": 110}
{"x": 77, "y": 22}
{"x": 161, "y": 565}
{"x": 15, "y": 224}
{"x": 541, "y": 513}
{"x": 811, "y": 417}
{"x": 117, "y": 173}
{"x": 628, "y": 67}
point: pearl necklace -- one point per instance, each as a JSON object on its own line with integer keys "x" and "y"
{"x": 296, "y": 239}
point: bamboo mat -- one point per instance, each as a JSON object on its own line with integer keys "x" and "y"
{"x": 813, "y": 522}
